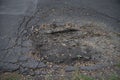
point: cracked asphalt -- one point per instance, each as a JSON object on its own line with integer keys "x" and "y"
{"x": 20, "y": 19}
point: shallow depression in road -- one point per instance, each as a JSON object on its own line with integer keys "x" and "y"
{"x": 69, "y": 43}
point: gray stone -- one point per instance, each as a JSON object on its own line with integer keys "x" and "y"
{"x": 32, "y": 73}
{"x": 41, "y": 65}
{"x": 8, "y": 67}
{"x": 89, "y": 68}
{"x": 43, "y": 73}
{"x": 24, "y": 71}
{"x": 94, "y": 67}
{"x": 69, "y": 68}
{"x": 30, "y": 64}
{"x": 38, "y": 72}
{"x": 55, "y": 67}
{"x": 27, "y": 71}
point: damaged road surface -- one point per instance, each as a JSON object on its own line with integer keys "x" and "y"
{"x": 65, "y": 43}
{"x": 52, "y": 39}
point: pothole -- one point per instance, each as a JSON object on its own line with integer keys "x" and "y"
{"x": 68, "y": 43}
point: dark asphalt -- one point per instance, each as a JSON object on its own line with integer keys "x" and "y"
{"x": 104, "y": 13}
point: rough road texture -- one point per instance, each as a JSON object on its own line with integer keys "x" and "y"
{"x": 41, "y": 38}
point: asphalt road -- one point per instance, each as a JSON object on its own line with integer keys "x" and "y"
{"x": 12, "y": 13}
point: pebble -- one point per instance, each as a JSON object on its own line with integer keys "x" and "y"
{"x": 69, "y": 69}
{"x": 30, "y": 64}
{"x": 41, "y": 65}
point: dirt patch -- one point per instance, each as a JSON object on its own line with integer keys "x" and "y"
{"x": 12, "y": 76}
{"x": 69, "y": 43}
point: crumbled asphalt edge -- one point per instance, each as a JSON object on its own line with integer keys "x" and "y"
{"x": 23, "y": 27}
{"x": 18, "y": 42}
